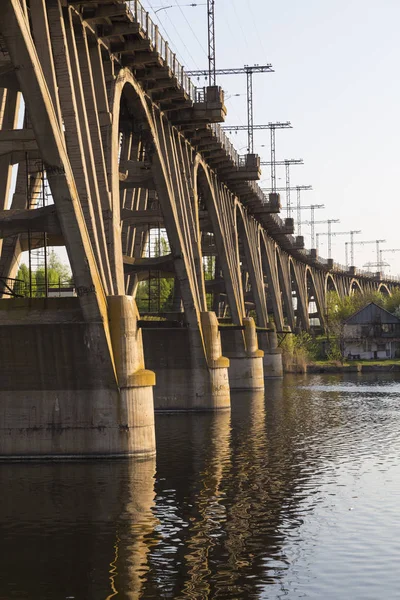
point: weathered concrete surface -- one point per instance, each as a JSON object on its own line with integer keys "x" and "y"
{"x": 58, "y": 395}
{"x": 272, "y": 361}
{"x": 246, "y": 360}
{"x": 184, "y": 380}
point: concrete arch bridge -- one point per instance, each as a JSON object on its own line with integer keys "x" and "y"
{"x": 110, "y": 142}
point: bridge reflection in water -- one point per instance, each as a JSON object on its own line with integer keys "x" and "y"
{"x": 212, "y": 524}
{"x": 248, "y": 504}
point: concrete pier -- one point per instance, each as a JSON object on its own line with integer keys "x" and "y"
{"x": 191, "y": 372}
{"x": 60, "y": 396}
{"x": 272, "y": 361}
{"x": 246, "y": 360}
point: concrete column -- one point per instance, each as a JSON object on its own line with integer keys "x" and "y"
{"x": 246, "y": 360}
{"x": 61, "y": 395}
{"x": 191, "y": 372}
{"x": 272, "y": 361}
{"x": 134, "y": 381}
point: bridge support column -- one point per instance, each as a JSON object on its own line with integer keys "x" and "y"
{"x": 273, "y": 366}
{"x": 246, "y": 360}
{"x": 191, "y": 372}
{"x": 59, "y": 394}
{"x": 134, "y": 381}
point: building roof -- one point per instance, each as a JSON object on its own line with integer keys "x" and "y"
{"x": 372, "y": 313}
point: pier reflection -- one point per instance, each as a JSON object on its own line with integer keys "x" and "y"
{"x": 76, "y": 530}
{"x": 219, "y": 520}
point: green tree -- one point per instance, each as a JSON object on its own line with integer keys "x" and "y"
{"x": 156, "y": 293}
{"x": 392, "y": 303}
{"x": 58, "y": 273}
{"x": 21, "y": 286}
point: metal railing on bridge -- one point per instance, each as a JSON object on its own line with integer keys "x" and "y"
{"x": 161, "y": 46}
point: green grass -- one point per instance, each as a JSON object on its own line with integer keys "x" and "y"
{"x": 385, "y": 362}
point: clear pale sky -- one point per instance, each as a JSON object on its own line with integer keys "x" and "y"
{"x": 336, "y": 79}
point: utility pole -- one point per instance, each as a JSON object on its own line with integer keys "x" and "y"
{"x": 248, "y": 70}
{"x": 328, "y": 233}
{"x": 311, "y": 222}
{"x": 272, "y": 127}
{"x": 335, "y": 233}
{"x": 297, "y": 188}
{"x": 352, "y": 234}
{"x": 287, "y": 163}
{"x": 212, "y": 76}
{"x": 377, "y": 242}
{"x": 386, "y": 250}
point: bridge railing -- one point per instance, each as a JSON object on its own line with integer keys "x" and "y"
{"x": 225, "y": 142}
{"x": 160, "y": 45}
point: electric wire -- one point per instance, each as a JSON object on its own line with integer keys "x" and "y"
{"x": 191, "y": 29}
{"x": 169, "y": 37}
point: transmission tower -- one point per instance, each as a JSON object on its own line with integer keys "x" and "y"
{"x": 377, "y": 242}
{"x": 248, "y": 70}
{"x": 333, "y": 234}
{"x": 287, "y": 163}
{"x": 384, "y": 251}
{"x": 212, "y": 76}
{"x": 311, "y": 222}
{"x": 328, "y": 233}
{"x": 351, "y": 244}
{"x": 272, "y": 127}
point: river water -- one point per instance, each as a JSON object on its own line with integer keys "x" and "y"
{"x": 292, "y": 495}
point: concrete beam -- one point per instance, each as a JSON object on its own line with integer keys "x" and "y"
{"x": 19, "y": 221}
{"x": 157, "y": 263}
{"x": 142, "y": 217}
{"x": 8, "y": 78}
{"x": 17, "y": 140}
{"x": 136, "y": 174}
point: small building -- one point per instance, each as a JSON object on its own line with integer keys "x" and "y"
{"x": 61, "y": 291}
{"x": 371, "y": 333}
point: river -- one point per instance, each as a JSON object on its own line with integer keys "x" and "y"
{"x": 294, "y": 494}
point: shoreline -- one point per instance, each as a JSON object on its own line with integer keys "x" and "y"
{"x": 356, "y": 367}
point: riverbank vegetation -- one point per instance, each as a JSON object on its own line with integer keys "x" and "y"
{"x": 301, "y": 349}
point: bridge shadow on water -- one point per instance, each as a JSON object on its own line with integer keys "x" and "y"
{"x": 210, "y": 520}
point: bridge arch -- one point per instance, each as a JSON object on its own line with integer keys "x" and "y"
{"x": 285, "y": 288}
{"x": 301, "y": 312}
{"x": 209, "y": 197}
{"x": 165, "y": 172}
{"x": 330, "y": 284}
{"x": 383, "y": 289}
{"x": 268, "y": 262}
{"x": 247, "y": 238}
{"x": 355, "y": 287}
{"x": 313, "y": 298}
{"x": 127, "y": 104}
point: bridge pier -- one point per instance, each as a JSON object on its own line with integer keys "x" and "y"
{"x": 59, "y": 394}
{"x": 272, "y": 361}
{"x": 246, "y": 360}
{"x": 191, "y": 373}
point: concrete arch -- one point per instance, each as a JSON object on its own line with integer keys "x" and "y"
{"x": 310, "y": 282}
{"x": 355, "y": 286}
{"x": 285, "y": 288}
{"x": 165, "y": 171}
{"x": 330, "y": 284}
{"x": 242, "y": 234}
{"x": 301, "y": 320}
{"x": 226, "y": 246}
{"x": 383, "y": 289}
{"x": 124, "y": 85}
{"x": 267, "y": 251}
